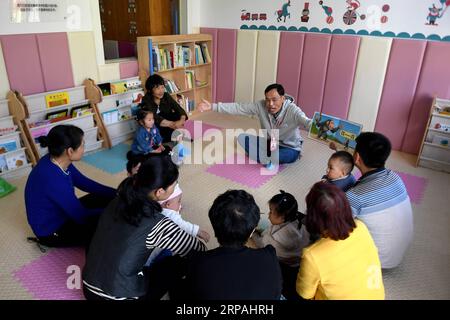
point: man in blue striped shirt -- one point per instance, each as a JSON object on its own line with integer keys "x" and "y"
{"x": 379, "y": 199}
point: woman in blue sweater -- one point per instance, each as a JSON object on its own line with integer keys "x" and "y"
{"x": 55, "y": 214}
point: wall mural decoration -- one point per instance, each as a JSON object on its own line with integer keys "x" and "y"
{"x": 385, "y": 18}
{"x": 435, "y": 12}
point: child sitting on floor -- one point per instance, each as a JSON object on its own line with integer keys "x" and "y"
{"x": 147, "y": 139}
{"x": 340, "y": 166}
{"x": 287, "y": 235}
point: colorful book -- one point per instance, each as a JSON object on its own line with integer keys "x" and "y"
{"x": 118, "y": 87}
{"x": 8, "y": 146}
{"x": 326, "y": 129}
{"x": 15, "y": 160}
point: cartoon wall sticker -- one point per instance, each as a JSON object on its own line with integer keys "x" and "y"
{"x": 305, "y": 13}
{"x": 252, "y": 16}
{"x": 328, "y": 12}
{"x": 283, "y": 12}
{"x": 351, "y": 15}
{"x": 435, "y": 12}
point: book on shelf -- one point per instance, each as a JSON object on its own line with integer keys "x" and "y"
{"x": 105, "y": 88}
{"x": 137, "y": 97}
{"x": 171, "y": 86}
{"x": 442, "y": 127}
{"x": 15, "y": 160}
{"x": 199, "y": 58}
{"x": 8, "y": 146}
{"x": 56, "y": 115}
{"x": 200, "y": 83}
{"x": 80, "y": 110}
{"x": 118, "y": 87}
{"x": 440, "y": 140}
{"x": 124, "y": 102}
{"x": 3, "y": 165}
{"x": 205, "y": 52}
{"x": 189, "y": 78}
{"x": 57, "y": 99}
{"x": 8, "y": 130}
{"x": 110, "y": 117}
{"x": 133, "y": 84}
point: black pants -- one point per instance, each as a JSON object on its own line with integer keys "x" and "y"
{"x": 289, "y": 281}
{"x": 72, "y": 234}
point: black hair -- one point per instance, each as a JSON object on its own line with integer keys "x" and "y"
{"x": 277, "y": 86}
{"x": 154, "y": 173}
{"x": 134, "y": 160}
{"x": 142, "y": 113}
{"x": 286, "y": 206}
{"x": 60, "y": 138}
{"x": 346, "y": 159}
{"x": 153, "y": 81}
{"x": 373, "y": 148}
{"x": 234, "y": 215}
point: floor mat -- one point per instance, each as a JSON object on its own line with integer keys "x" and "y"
{"x": 197, "y": 129}
{"x": 237, "y": 168}
{"x": 112, "y": 160}
{"x": 414, "y": 185}
{"x": 55, "y": 276}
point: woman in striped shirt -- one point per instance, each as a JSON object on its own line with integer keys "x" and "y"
{"x": 128, "y": 231}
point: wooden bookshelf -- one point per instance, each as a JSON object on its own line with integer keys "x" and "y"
{"x": 33, "y": 117}
{"x": 435, "y": 149}
{"x": 116, "y": 109}
{"x": 184, "y": 59}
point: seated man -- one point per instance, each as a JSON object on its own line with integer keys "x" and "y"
{"x": 233, "y": 271}
{"x": 279, "y": 115}
{"x": 379, "y": 199}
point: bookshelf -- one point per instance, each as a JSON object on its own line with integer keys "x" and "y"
{"x": 116, "y": 102}
{"x": 39, "y": 113}
{"x": 435, "y": 148}
{"x": 16, "y": 158}
{"x": 183, "y": 59}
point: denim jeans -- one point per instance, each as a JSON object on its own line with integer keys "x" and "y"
{"x": 257, "y": 148}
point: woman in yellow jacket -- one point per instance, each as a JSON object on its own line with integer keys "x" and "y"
{"x": 343, "y": 262}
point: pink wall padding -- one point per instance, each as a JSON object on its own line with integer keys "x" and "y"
{"x": 128, "y": 69}
{"x": 290, "y": 61}
{"x": 55, "y": 60}
{"x": 340, "y": 73}
{"x": 214, "y": 33}
{"x": 400, "y": 84}
{"x": 434, "y": 79}
{"x": 22, "y": 62}
{"x": 226, "y": 64}
{"x": 313, "y": 72}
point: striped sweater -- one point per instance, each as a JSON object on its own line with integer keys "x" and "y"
{"x": 379, "y": 199}
{"x": 119, "y": 251}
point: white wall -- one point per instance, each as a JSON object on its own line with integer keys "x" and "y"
{"x": 403, "y": 15}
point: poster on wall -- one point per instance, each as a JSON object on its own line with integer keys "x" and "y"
{"x": 29, "y": 11}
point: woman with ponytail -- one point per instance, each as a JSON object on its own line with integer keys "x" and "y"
{"x": 127, "y": 233}
{"x": 55, "y": 214}
{"x": 287, "y": 235}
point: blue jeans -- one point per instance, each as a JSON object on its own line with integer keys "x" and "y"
{"x": 261, "y": 153}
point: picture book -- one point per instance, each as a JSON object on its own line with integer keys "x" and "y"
{"x": 105, "y": 88}
{"x": 8, "y": 146}
{"x": 326, "y": 129}
{"x": 3, "y": 165}
{"x": 441, "y": 140}
{"x": 15, "y": 160}
{"x": 137, "y": 97}
{"x": 118, "y": 87}
{"x": 57, "y": 114}
{"x": 57, "y": 99}
{"x": 7, "y": 130}
{"x": 124, "y": 102}
{"x": 110, "y": 117}
{"x": 80, "y": 110}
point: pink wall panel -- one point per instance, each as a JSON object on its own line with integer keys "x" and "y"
{"x": 400, "y": 84}
{"x": 55, "y": 60}
{"x": 214, "y": 33}
{"x": 313, "y": 72}
{"x": 128, "y": 69}
{"x": 290, "y": 61}
{"x": 340, "y": 73}
{"x": 226, "y": 64}
{"x": 22, "y": 62}
{"x": 434, "y": 79}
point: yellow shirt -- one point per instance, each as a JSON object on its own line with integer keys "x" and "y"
{"x": 343, "y": 269}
